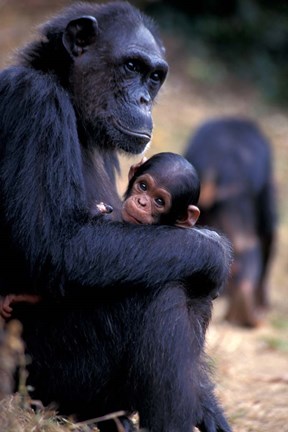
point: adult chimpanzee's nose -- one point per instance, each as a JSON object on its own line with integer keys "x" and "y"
{"x": 145, "y": 100}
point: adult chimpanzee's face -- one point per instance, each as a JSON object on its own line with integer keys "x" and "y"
{"x": 146, "y": 202}
{"x": 114, "y": 81}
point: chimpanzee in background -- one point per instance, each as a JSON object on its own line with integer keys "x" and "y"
{"x": 113, "y": 331}
{"x": 234, "y": 162}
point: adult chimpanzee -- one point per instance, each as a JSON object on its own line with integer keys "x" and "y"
{"x": 233, "y": 160}
{"x": 113, "y": 330}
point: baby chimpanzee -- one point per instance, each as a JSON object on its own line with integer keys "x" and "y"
{"x": 161, "y": 190}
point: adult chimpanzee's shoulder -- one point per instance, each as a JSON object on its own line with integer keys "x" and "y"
{"x": 12, "y": 79}
{"x": 27, "y": 81}
{"x": 27, "y": 92}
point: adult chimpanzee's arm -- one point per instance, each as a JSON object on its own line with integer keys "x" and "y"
{"x": 133, "y": 255}
{"x": 43, "y": 195}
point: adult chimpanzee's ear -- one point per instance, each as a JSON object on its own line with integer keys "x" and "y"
{"x": 79, "y": 34}
{"x": 135, "y": 167}
{"x": 191, "y": 218}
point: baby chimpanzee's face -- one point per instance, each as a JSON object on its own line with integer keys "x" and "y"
{"x": 146, "y": 202}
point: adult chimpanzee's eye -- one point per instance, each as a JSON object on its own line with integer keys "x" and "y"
{"x": 132, "y": 66}
{"x": 160, "y": 202}
{"x": 156, "y": 77}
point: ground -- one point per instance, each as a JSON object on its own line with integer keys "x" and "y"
{"x": 250, "y": 366}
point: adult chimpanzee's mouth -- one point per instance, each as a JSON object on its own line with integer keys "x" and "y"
{"x": 135, "y": 133}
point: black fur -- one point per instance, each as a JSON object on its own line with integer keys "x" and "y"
{"x": 112, "y": 331}
{"x": 233, "y": 155}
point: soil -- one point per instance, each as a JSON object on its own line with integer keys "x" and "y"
{"x": 250, "y": 366}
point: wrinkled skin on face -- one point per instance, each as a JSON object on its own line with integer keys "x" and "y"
{"x": 147, "y": 202}
{"x": 127, "y": 68}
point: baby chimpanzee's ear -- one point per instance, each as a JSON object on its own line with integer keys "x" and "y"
{"x": 191, "y": 218}
{"x": 135, "y": 167}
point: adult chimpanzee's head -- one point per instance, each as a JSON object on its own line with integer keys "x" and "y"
{"x": 162, "y": 190}
{"x": 111, "y": 60}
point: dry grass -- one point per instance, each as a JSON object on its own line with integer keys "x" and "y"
{"x": 18, "y": 412}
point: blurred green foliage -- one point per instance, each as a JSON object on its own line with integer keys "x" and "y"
{"x": 247, "y": 38}
{"x": 276, "y": 344}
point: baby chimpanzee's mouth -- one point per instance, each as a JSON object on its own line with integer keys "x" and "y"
{"x": 134, "y": 220}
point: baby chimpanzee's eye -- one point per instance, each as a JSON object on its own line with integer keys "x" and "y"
{"x": 143, "y": 186}
{"x": 160, "y": 202}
